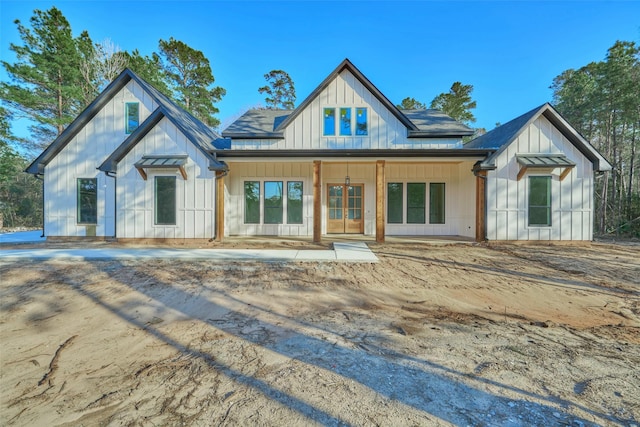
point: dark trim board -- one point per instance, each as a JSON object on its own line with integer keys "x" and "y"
{"x": 260, "y": 154}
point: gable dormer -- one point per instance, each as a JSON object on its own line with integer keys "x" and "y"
{"x": 346, "y": 111}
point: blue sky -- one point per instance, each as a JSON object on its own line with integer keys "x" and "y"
{"x": 510, "y": 51}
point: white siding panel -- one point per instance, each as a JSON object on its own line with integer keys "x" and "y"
{"x": 195, "y": 197}
{"x": 572, "y": 198}
{"x": 80, "y": 158}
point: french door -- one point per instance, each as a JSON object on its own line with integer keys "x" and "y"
{"x": 345, "y": 208}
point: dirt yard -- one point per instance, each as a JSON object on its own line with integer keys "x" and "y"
{"x": 506, "y": 335}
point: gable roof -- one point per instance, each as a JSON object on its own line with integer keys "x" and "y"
{"x": 203, "y": 137}
{"x": 501, "y": 137}
{"x": 272, "y": 123}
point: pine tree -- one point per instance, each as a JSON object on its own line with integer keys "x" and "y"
{"x": 47, "y": 84}
{"x": 190, "y": 79}
{"x": 411, "y": 104}
{"x": 280, "y": 90}
{"x": 456, "y": 103}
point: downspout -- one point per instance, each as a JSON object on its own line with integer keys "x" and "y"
{"x": 40, "y": 176}
{"x": 115, "y": 201}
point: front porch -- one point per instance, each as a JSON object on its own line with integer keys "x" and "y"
{"x": 363, "y": 199}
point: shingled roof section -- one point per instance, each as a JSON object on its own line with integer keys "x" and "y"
{"x": 257, "y": 122}
{"x": 203, "y": 137}
{"x": 435, "y": 123}
{"x": 499, "y": 138}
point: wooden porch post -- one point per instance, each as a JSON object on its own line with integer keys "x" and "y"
{"x": 380, "y": 231}
{"x": 219, "y": 206}
{"x": 317, "y": 202}
{"x": 481, "y": 183}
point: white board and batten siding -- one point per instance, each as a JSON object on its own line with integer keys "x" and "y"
{"x": 80, "y": 159}
{"x": 459, "y": 197}
{"x": 241, "y": 172}
{"x": 385, "y": 131}
{"x": 195, "y": 196}
{"x": 571, "y": 199}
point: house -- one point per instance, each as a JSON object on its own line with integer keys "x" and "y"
{"x": 134, "y": 165}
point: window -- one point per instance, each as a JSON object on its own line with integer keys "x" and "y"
{"x": 294, "y": 202}
{"x": 540, "y": 200}
{"x": 329, "y": 121}
{"x": 251, "y": 202}
{"x": 87, "y": 200}
{"x": 345, "y": 121}
{"x": 361, "y": 121}
{"x": 273, "y": 202}
{"x": 165, "y": 200}
{"x": 436, "y": 203}
{"x": 131, "y": 116}
{"x": 416, "y": 203}
{"x": 394, "y": 203}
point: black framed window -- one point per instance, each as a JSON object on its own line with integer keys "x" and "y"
{"x": 165, "y": 200}
{"x": 416, "y": 201}
{"x": 87, "y": 189}
{"x": 540, "y": 200}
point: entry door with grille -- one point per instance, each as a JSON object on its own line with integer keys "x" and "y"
{"x": 345, "y": 208}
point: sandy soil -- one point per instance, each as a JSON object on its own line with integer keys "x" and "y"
{"x": 431, "y": 335}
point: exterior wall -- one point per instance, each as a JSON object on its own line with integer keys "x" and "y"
{"x": 195, "y": 197}
{"x": 571, "y": 199}
{"x": 385, "y": 130}
{"x": 459, "y": 194}
{"x": 263, "y": 171}
{"x": 80, "y": 158}
{"x": 459, "y": 197}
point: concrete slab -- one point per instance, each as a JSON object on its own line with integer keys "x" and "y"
{"x": 33, "y": 236}
{"x": 348, "y": 252}
{"x": 354, "y": 251}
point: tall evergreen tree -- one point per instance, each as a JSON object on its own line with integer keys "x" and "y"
{"x": 411, "y": 104}
{"x": 149, "y": 68}
{"x": 456, "y": 103}
{"x": 189, "y": 74}
{"x": 280, "y": 90}
{"x": 47, "y": 84}
{"x": 602, "y": 99}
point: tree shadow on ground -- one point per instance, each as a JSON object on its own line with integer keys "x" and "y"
{"x": 426, "y": 386}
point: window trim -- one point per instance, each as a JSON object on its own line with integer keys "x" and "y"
{"x": 279, "y": 208}
{"x": 424, "y": 205}
{"x": 549, "y": 206}
{"x": 301, "y": 202}
{"x": 444, "y": 203}
{"x": 325, "y": 129}
{"x": 156, "y": 200}
{"x": 244, "y": 201}
{"x": 365, "y": 113}
{"x": 79, "y": 202}
{"x": 127, "y": 129}
{"x": 402, "y": 198}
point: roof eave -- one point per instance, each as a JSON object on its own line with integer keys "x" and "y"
{"x": 438, "y": 134}
{"x": 434, "y": 152}
{"x": 267, "y": 135}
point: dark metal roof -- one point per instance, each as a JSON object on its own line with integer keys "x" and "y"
{"x": 169, "y": 161}
{"x": 543, "y": 160}
{"x": 501, "y": 137}
{"x": 203, "y": 137}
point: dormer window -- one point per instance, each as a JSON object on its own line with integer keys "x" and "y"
{"x": 131, "y": 116}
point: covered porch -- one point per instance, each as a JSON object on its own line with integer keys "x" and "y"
{"x": 348, "y": 197}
